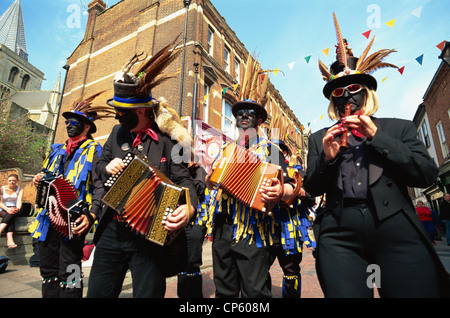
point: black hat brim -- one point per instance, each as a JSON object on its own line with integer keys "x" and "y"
{"x": 364, "y": 79}
{"x": 84, "y": 119}
{"x": 250, "y": 105}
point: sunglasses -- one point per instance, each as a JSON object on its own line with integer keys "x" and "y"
{"x": 352, "y": 89}
{"x": 72, "y": 122}
{"x": 249, "y": 112}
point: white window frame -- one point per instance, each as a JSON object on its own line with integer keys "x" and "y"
{"x": 210, "y": 41}
{"x": 237, "y": 68}
{"x": 426, "y": 134}
{"x": 442, "y": 140}
{"x": 230, "y": 119}
{"x": 226, "y": 58}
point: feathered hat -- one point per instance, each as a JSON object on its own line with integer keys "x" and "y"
{"x": 134, "y": 90}
{"x": 83, "y": 110}
{"x": 254, "y": 89}
{"x": 348, "y": 69}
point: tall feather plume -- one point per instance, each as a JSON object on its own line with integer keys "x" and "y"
{"x": 84, "y": 105}
{"x": 363, "y": 56}
{"x": 375, "y": 61}
{"x": 341, "y": 53}
{"x": 326, "y": 75}
{"x": 149, "y": 74}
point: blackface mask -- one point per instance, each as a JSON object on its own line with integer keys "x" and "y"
{"x": 349, "y": 95}
{"x": 74, "y": 127}
{"x": 246, "y": 119}
{"x": 127, "y": 118}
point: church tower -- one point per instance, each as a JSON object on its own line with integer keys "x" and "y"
{"x": 16, "y": 73}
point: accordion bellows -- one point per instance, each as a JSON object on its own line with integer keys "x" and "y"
{"x": 60, "y": 198}
{"x": 143, "y": 197}
{"x": 242, "y": 173}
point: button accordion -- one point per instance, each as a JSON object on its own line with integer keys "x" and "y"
{"x": 144, "y": 197}
{"x": 242, "y": 174}
{"x": 59, "y": 197}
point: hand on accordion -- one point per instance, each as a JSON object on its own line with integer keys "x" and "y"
{"x": 83, "y": 225}
{"x": 276, "y": 192}
{"x": 179, "y": 217}
{"x": 115, "y": 166}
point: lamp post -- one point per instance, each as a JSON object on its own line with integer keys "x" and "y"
{"x": 194, "y": 100}
{"x": 445, "y": 55}
{"x": 187, "y": 3}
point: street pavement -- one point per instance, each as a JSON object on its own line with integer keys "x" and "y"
{"x": 23, "y": 281}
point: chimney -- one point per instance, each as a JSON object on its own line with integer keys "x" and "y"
{"x": 94, "y": 9}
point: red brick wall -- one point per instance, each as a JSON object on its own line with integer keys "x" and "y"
{"x": 437, "y": 104}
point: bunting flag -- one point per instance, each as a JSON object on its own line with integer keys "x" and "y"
{"x": 420, "y": 59}
{"x": 384, "y": 79}
{"x": 417, "y": 12}
{"x": 275, "y": 71}
{"x": 401, "y": 69}
{"x": 321, "y": 117}
{"x": 441, "y": 45}
{"x": 325, "y": 51}
{"x": 224, "y": 90}
{"x": 206, "y": 97}
{"x": 307, "y": 58}
{"x": 235, "y": 86}
{"x": 367, "y": 34}
{"x": 390, "y": 23}
{"x": 291, "y": 65}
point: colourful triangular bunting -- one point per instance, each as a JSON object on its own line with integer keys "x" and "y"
{"x": 441, "y": 45}
{"x": 417, "y": 12}
{"x": 420, "y": 59}
{"x": 325, "y": 51}
{"x": 401, "y": 69}
{"x": 291, "y": 65}
{"x": 367, "y": 34}
{"x": 307, "y": 59}
{"x": 390, "y": 23}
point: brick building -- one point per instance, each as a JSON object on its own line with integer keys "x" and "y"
{"x": 115, "y": 34}
{"x": 437, "y": 106}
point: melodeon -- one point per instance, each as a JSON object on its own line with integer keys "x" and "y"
{"x": 242, "y": 174}
{"x": 144, "y": 197}
{"x": 59, "y": 197}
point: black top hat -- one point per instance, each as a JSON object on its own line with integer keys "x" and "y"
{"x": 249, "y": 104}
{"x": 125, "y": 97}
{"x": 341, "y": 77}
{"x": 349, "y": 69}
{"x": 134, "y": 90}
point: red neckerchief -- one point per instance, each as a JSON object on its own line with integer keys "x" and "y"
{"x": 147, "y": 131}
{"x": 73, "y": 143}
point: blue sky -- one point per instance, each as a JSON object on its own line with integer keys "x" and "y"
{"x": 282, "y": 32}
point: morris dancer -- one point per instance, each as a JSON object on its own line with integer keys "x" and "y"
{"x": 74, "y": 160}
{"x": 149, "y": 128}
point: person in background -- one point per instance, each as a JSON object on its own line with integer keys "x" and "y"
{"x": 444, "y": 215}
{"x": 425, "y": 216}
{"x": 10, "y": 206}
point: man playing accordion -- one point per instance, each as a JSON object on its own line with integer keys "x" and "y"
{"x": 118, "y": 247}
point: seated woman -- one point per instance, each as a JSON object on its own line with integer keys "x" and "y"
{"x": 10, "y": 205}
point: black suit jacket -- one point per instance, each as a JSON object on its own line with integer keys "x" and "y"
{"x": 160, "y": 154}
{"x": 397, "y": 160}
